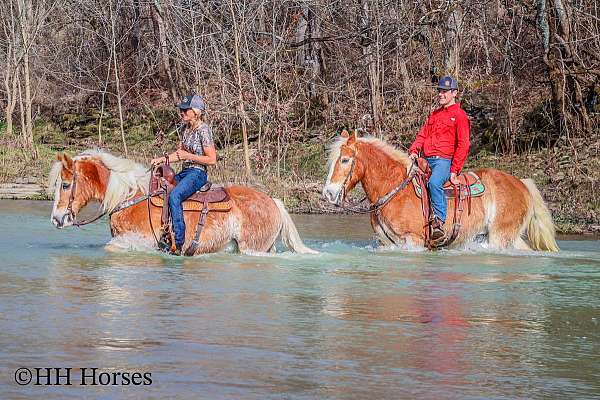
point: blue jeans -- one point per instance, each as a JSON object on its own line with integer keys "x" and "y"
{"x": 440, "y": 173}
{"x": 189, "y": 181}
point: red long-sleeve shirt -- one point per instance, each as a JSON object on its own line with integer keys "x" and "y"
{"x": 445, "y": 134}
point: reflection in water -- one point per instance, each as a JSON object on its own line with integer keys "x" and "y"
{"x": 351, "y": 322}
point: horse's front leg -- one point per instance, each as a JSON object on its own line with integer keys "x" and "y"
{"x": 389, "y": 235}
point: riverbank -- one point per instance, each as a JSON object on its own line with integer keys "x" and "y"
{"x": 568, "y": 179}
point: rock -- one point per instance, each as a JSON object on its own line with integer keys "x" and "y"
{"x": 21, "y": 191}
{"x": 26, "y": 180}
{"x": 559, "y": 176}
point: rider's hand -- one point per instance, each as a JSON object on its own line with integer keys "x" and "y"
{"x": 454, "y": 179}
{"x": 181, "y": 155}
{"x": 413, "y": 156}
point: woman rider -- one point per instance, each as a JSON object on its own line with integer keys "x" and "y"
{"x": 196, "y": 151}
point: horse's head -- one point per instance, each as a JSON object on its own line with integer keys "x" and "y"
{"x": 345, "y": 169}
{"x": 75, "y": 182}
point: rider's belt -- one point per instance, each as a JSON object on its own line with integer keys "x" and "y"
{"x": 190, "y": 164}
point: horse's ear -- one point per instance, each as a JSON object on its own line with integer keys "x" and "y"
{"x": 66, "y": 161}
{"x": 345, "y": 134}
{"x": 352, "y": 139}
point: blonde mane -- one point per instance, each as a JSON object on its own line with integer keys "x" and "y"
{"x": 395, "y": 154}
{"x": 125, "y": 180}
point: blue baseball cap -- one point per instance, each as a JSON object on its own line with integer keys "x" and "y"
{"x": 192, "y": 101}
{"x": 447, "y": 83}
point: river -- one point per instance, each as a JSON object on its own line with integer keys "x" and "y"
{"x": 354, "y": 322}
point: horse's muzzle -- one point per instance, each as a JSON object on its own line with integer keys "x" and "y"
{"x": 62, "y": 221}
{"x": 333, "y": 194}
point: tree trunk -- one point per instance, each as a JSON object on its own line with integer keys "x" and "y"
{"x": 241, "y": 107}
{"x": 10, "y": 85}
{"x": 160, "y": 36}
{"x": 116, "y": 72}
{"x": 424, "y": 37}
{"x": 371, "y": 53}
{"x": 563, "y": 66}
{"x": 25, "y": 21}
{"x": 452, "y": 39}
{"x": 308, "y": 56}
{"x": 21, "y": 110}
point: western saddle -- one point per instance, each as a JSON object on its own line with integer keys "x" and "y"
{"x": 469, "y": 186}
{"x": 210, "y": 197}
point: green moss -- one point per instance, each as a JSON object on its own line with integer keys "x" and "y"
{"x": 312, "y": 160}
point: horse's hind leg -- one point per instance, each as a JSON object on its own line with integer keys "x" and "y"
{"x": 261, "y": 243}
{"x": 506, "y": 229}
{"x": 258, "y": 227}
{"x": 215, "y": 236}
{"x": 504, "y": 233}
{"x": 520, "y": 244}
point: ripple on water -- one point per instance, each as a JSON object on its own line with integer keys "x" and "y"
{"x": 354, "y": 321}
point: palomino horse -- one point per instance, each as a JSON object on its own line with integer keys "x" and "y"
{"x": 253, "y": 223}
{"x": 507, "y": 209}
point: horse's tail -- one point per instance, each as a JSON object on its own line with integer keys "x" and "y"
{"x": 541, "y": 229}
{"x": 289, "y": 234}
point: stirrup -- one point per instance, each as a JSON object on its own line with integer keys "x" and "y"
{"x": 164, "y": 246}
{"x": 438, "y": 235}
{"x": 164, "y": 242}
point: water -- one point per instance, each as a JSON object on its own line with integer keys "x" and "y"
{"x": 353, "y": 322}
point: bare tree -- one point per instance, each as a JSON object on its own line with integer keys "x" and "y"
{"x": 454, "y": 25}
{"x": 570, "y": 68}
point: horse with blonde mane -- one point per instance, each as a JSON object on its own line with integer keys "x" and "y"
{"x": 253, "y": 223}
{"x": 509, "y": 208}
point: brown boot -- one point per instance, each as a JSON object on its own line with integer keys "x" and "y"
{"x": 437, "y": 230}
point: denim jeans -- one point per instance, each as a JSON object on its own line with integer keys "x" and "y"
{"x": 189, "y": 181}
{"x": 440, "y": 173}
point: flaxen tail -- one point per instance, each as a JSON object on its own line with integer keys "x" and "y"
{"x": 541, "y": 230}
{"x": 289, "y": 234}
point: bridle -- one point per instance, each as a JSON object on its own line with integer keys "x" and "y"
{"x": 125, "y": 204}
{"x": 70, "y": 212}
{"x": 382, "y": 201}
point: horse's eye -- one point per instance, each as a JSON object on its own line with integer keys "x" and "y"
{"x": 345, "y": 160}
{"x": 66, "y": 185}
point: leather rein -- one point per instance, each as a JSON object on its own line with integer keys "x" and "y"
{"x": 121, "y": 206}
{"x": 383, "y": 200}
{"x": 70, "y": 205}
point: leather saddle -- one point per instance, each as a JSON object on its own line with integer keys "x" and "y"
{"x": 469, "y": 186}
{"x": 163, "y": 180}
{"x": 470, "y": 182}
{"x": 208, "y": 198}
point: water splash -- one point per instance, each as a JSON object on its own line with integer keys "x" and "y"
{"x": 130, "y": 242}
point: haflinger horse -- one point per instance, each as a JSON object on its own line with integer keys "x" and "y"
{"x": 253, "y": 223}
{"x": 509, "y": 207}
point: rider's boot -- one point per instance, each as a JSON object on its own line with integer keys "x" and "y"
{"x": 437, "y": 230}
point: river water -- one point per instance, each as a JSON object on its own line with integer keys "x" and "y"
{"x": 354, "y": 322}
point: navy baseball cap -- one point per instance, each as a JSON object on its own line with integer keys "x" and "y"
{"x": 192, "y": 101}
{"x": 447, "y": 83}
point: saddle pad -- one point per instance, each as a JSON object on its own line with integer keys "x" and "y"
{"x": 477, "y": 188}
{"x": 158, "y": 201}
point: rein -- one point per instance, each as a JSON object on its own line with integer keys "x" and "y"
{"x": 382, "y": 201}
{"x": 121, "y": 206}
{"x": 70, "y": 205}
